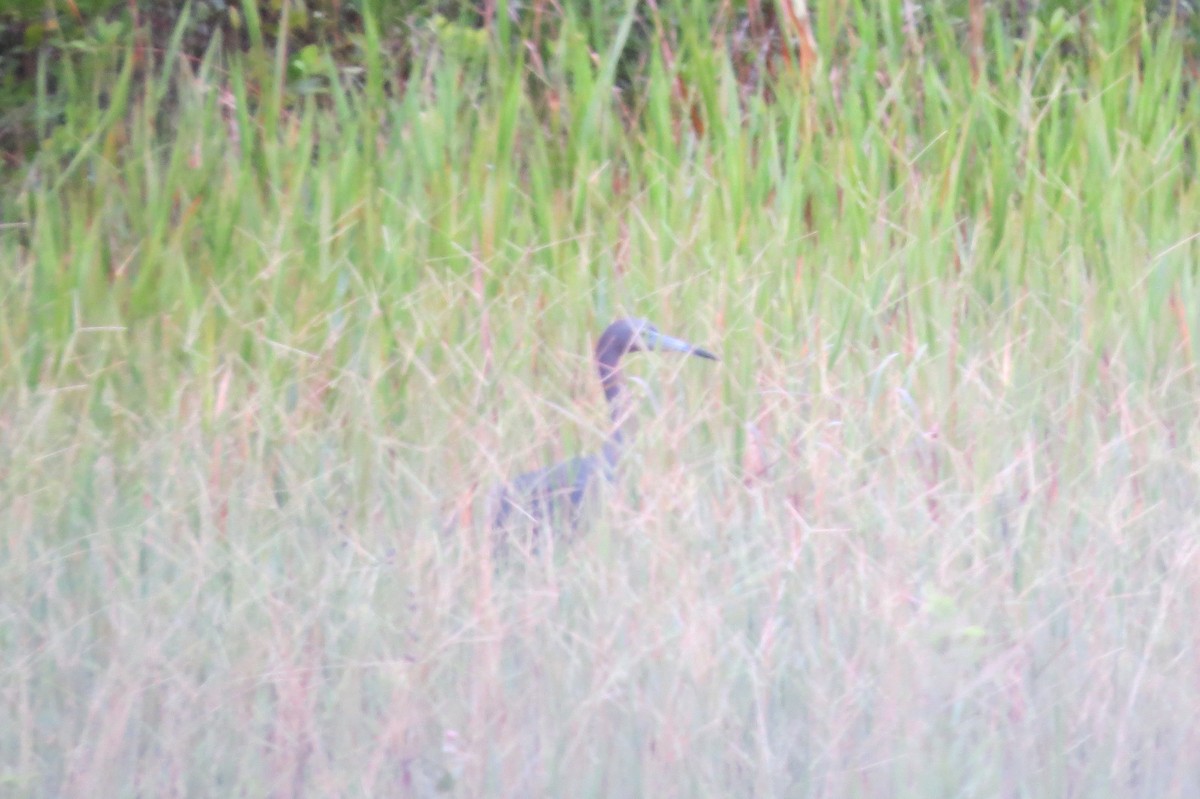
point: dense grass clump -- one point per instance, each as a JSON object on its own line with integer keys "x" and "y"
{"x": 929, "y": 529}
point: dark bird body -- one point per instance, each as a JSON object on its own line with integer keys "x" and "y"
{"x": 558, "y": 494}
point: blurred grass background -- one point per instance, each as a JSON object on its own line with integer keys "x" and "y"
{"x": 278, "y": 305}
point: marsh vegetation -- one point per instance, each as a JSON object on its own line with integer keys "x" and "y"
{"x": 929, "y": 530}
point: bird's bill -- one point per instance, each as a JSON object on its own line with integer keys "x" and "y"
{"x": 657, "y": 341}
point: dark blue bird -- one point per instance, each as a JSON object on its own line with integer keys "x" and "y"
{"x": 557, "y": 494}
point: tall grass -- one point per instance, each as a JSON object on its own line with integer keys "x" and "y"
{"x": 929, "y": 529}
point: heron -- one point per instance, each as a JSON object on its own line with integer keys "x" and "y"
{"x": 556, "y": 494}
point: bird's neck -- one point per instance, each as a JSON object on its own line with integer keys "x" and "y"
{"x": 619, "y": 410}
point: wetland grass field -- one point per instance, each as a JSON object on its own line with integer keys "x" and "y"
{"x": 931, "y": 527}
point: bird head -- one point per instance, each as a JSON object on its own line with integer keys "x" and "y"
{"x": 639, "y": 335}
